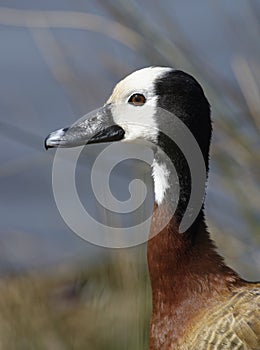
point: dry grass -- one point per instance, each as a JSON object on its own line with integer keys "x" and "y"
{"x": 106, "y": 307}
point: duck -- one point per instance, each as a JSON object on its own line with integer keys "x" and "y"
{"x": 198, "y": 302}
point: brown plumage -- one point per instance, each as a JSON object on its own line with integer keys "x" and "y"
{"x": 198, "y": 302}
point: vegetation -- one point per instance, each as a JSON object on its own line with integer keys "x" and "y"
{"x": 105, "y": 307}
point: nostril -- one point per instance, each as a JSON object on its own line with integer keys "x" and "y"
{"x": 65, "y": 129}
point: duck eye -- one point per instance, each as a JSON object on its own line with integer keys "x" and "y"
{"x": 137, "y": 100}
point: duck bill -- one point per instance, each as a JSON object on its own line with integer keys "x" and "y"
{"x": 95, "y": 127}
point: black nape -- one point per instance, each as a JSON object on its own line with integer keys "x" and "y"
{"x": 180, "y": 94}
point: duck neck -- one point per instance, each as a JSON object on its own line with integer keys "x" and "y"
{"x": 186, "y": 272}
{"x": 186, "y": 275}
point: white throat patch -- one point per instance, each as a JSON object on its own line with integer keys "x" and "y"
{"x": 160, "y": 175}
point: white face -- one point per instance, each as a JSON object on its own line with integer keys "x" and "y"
{"x": 138, "y": 121}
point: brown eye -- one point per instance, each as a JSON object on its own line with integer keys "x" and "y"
{"x": 137, "y": 99}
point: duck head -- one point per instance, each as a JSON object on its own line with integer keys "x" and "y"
{"x": 141, "y": 109}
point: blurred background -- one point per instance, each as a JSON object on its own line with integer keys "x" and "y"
{"x": 59, "y": 60}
